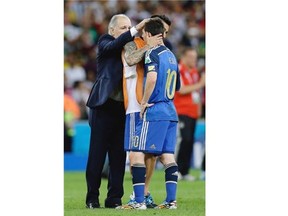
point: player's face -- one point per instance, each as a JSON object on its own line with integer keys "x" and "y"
{"x": 145, "y": 35}
{"x": 166, "y": 26}
{"x": 123, "y": 25}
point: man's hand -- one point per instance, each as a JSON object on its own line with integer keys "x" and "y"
{"x": 140, "y": 25}
{"x": 144, "y": 106}
{"x": 154, "y": 40}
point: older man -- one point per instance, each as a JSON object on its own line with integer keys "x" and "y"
{"x": 107, "y": 114}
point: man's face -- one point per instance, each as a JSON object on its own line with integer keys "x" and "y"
{"x": 190, "y": 58}
{"x": 166, "y": 26}
{"x": 123, "y": 25}
{"x": 145, "y": 35}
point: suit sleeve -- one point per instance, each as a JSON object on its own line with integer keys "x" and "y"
{"x": 107, "y": 43}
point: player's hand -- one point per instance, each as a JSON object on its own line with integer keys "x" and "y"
{"x": 144, "y": 106}
{"x": 154, "y": 40}
{"x": 140, "y": 25}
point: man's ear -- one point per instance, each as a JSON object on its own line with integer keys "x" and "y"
{"x": 112, "y": 31}
{"x": 149, "y": 34}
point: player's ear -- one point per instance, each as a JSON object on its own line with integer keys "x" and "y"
{"x": 149, "y": 34}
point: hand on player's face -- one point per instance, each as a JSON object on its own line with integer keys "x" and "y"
{"x": 141, "y": 25}
{"x": 153, "y": 40}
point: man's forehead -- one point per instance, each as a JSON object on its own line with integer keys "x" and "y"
{"x": 123, "y": 21}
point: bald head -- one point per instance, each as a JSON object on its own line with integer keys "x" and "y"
{"x": 118, "y": 24}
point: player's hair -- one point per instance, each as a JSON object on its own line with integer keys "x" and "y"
{"x": 162, "y": 17}
{"x": 113, "y": 21}
{"x": 154, "y": 26}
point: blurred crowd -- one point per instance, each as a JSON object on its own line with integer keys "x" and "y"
{"x": 85, "y": 21}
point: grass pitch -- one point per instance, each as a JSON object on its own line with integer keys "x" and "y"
{"x": 190, "y": 196}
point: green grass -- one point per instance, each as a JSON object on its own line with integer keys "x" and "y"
{"x": 190, "y": 196}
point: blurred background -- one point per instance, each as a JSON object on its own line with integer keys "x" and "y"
{"x": 84, "y": 23}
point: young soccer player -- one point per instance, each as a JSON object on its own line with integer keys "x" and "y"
{"x": 133, "y": 69}
{"x": 133, "y": 93}
{"x": 156, "y": 130}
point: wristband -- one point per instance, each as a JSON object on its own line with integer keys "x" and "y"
{"x": 133, "y": 31}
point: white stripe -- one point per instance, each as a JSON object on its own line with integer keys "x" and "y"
{"x": 162, "y": 52}
{"x": 138, "y": 184}
{"x": 133, "y": 128}
{"x": 142, "y": 134}
{"x": 145, "y": 138}
{"x": 170, "y": 182}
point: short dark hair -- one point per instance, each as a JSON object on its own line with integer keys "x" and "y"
{"x": 162, "y": 17}
{"x": 154, "y": 26}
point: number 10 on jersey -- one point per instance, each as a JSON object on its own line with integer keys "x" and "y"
{"x": 170, "y": 84}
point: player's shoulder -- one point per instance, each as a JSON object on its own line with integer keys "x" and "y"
{"x": 163, "y": 50}
{"x": 167, "y": 55}
{"x": 151, "y": 54}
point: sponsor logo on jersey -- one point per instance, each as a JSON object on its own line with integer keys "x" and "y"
{"x": 147, "y": 59}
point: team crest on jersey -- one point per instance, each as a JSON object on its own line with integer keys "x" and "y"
{"x": 147, "y": 59}
{"x": 151, "y": 68}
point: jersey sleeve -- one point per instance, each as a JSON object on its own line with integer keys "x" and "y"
{"x": 151, "y": 61}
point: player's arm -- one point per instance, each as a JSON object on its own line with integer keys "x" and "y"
{"x": 133, "y": 55}
{"x": 149, "y": 88}
{"x": 187, "y": 89}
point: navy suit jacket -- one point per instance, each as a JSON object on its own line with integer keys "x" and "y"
{"x": 109, "y": 67}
